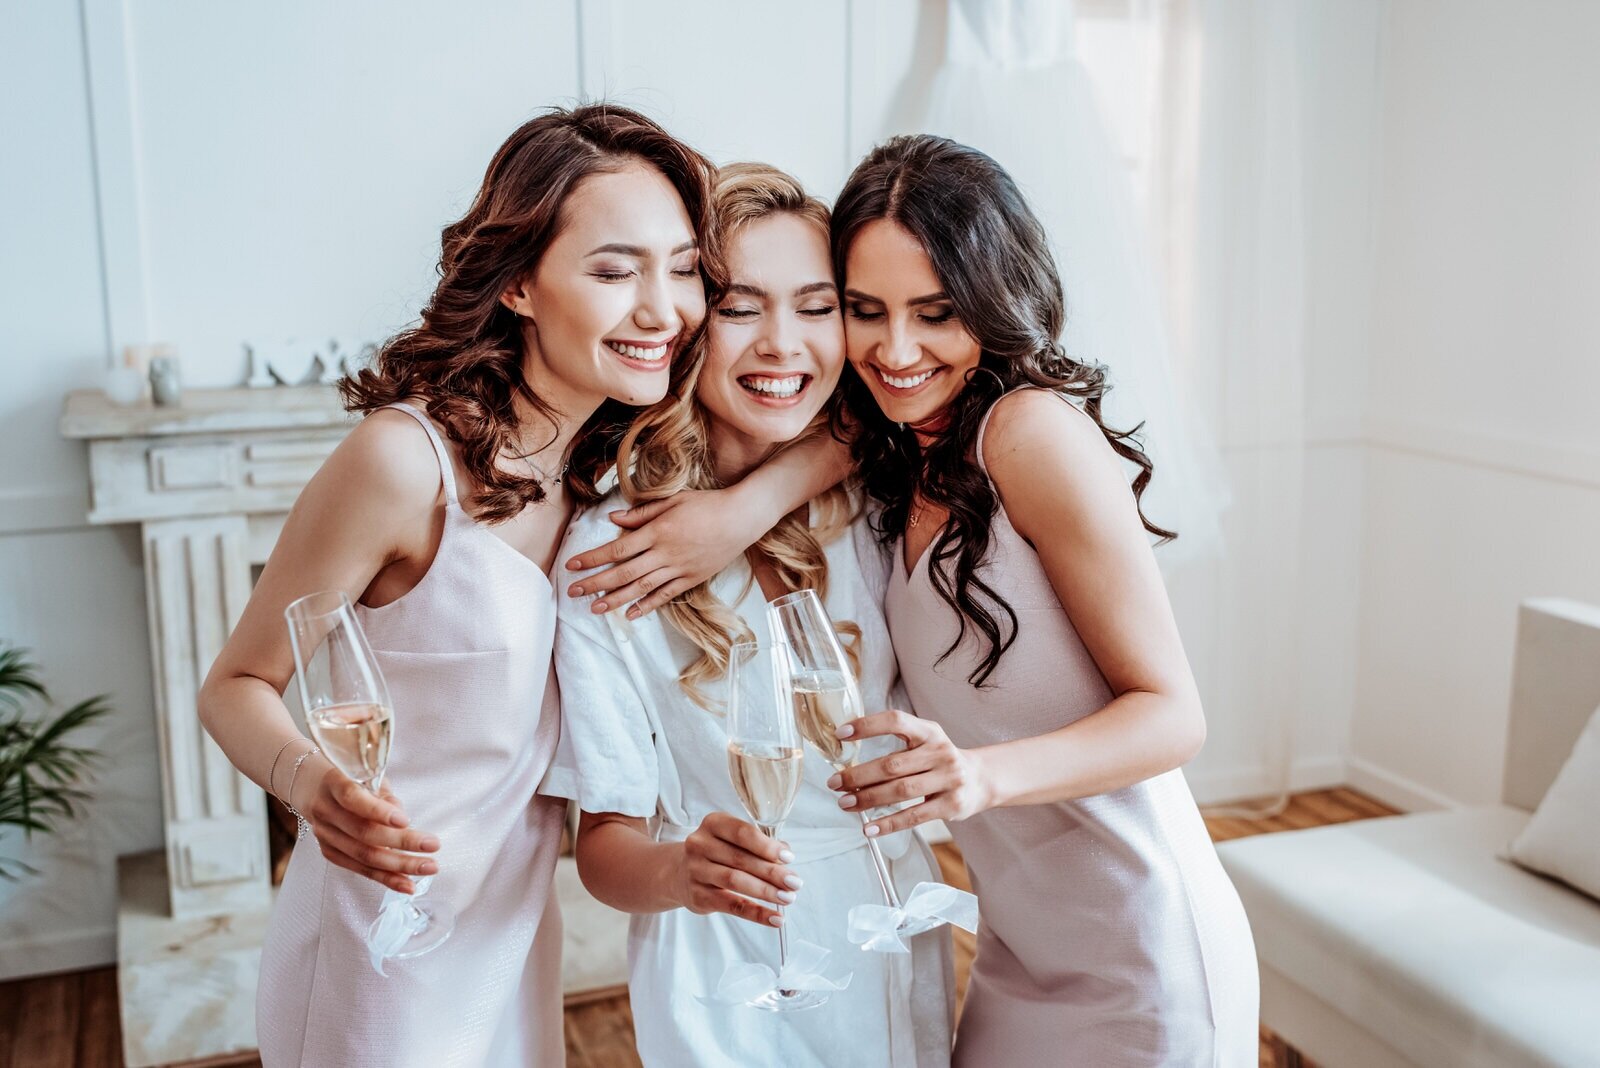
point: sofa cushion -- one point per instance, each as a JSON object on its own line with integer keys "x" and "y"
{"x": 1414, "y": 927}
{"x": 1562, "y": 840}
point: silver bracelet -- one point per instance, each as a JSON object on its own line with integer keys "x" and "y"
{"x": 302, "y": 825}
{"x": 272, "y": 787}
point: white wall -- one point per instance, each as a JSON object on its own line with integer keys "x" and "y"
{"x": 72, "y": 594}
{"x": 1342, "y": 111}
{"x": 1483, "y": 470}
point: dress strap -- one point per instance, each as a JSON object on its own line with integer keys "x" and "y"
{"x": 447, "y": 471}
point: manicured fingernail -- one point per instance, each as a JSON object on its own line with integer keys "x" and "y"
{"x": 634, "y": 613}
{"x": 786, "y": 896}
{"x": 430, "y": 843}
{"x": 872, "y": 830}
{"x": 776, "y": 921}
{"x": 619, "y": 514}
{"x": 398, "y": 819}
{"x": 847, "y": 801}
{"x": 786, "y": 856}
{"x": 575, "y": 591}
{"x": 835, "y": 782}
{"x": 794, "y": 882}
{"x": 573, "y": 565}
{"x": 844, "y": 732}
{"x": 428, "y": 867}
{"x": 599, "y": 608}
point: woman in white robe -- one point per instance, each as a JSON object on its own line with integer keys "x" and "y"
{"x": 644, "y": 739}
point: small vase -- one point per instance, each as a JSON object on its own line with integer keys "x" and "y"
{"x": 165, "y": 388}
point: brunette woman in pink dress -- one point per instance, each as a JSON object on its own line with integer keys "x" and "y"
{"x": 1054, "y": 703}
{"x": 565, "y": 293}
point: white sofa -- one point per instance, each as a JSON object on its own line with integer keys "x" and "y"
{"x": 1409, "y": 941}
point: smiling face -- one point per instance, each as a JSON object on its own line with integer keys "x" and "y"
{"x": 774, "y": 346}
{"x": 901, "y": 329}
{"x": 614, "y": 296}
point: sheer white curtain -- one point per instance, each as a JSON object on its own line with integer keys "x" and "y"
{"x": 1178, "y": 231}
{"x": 1013, "y": 87}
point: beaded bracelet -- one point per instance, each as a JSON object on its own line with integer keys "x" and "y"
{"x": 302, "y": 824}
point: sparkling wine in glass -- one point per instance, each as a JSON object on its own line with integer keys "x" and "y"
{"x": 765, "y": 762}
{"x": 355, "y": 739}
{"x": 347, "y": 707}
{"x": 826, "y": 696}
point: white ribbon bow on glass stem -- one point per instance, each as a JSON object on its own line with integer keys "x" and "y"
{"x": 878, "y": 927}
{"x": 745, "y": 981}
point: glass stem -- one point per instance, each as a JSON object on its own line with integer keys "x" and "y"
{"x": 783, "y": 930}
{"x": 890, "y": 897}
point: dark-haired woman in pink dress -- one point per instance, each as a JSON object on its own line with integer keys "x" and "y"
{"x": 1054, "y": 703}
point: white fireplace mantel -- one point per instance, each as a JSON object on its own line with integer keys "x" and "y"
{"x": 209, "y": 483}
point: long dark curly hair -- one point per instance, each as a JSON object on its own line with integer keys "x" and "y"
{"x": 993, "y": 260}
{"x": 464, "y": 360}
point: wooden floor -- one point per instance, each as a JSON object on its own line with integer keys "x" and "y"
{"x": 70, "y": 1020}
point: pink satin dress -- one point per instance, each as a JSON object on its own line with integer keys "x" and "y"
{"x": 1110, "y": 934}
{"x": 466, "y": 654}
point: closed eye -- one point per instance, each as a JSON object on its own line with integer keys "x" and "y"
{"x": 820, "y": 313}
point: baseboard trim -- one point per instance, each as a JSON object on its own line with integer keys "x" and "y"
{"x": 65, "y": 951}
{"x": 1228, "y": 785}
{"x": 1396, "y": 790}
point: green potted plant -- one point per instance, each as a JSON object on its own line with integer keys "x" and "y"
{"x": 42, "y": 773}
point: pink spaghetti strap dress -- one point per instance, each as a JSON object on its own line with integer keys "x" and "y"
{"x": 466, "y": 654}
{"x": 1110, "y": 934}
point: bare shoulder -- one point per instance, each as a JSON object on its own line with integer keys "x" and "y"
{"x": 390, "y": 453}
{"x": 1050, "y": 461}
{"x": 1028, "y": 426}
{"x": 384, "y": 469}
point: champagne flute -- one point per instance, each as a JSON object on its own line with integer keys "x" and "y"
{"x": 827, "y": 696}
{"x": 347, "y": 707}
{"x": 765, "y": 761}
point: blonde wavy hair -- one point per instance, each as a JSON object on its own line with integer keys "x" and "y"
{"x": 667, "y": 449}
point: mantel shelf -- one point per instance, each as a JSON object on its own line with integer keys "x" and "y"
{"x": 89, "y": 413}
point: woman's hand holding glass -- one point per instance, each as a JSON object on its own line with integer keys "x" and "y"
{"x": 363, "y": 832}
{"x": 347, "y": 706}
{"x": 950, "y": 780}
{"x": 730, "y": 865}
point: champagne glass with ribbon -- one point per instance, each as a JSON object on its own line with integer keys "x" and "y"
{"x": 765, "y": 762}
{"x": 348, "y": 710}
{"x": 825, "y": 693}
